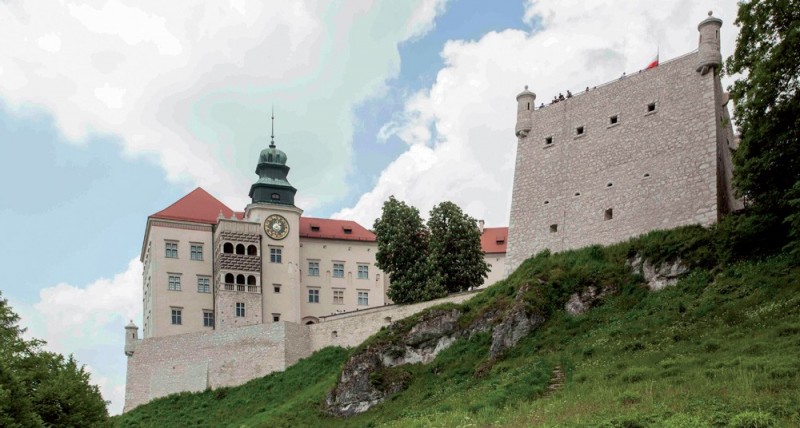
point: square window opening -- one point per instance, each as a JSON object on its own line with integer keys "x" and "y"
{"x": 276, "y": 317}
{"x": 651, "y": 107}
{"x": 548, "y": 140}
{"x": 553, "y": 228}
{"x": 579, "y": 130}
{"x": 613, "y": 120}
{"x": 609, "y": 214}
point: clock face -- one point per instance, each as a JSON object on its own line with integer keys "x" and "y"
{"x": 276, "y": 227}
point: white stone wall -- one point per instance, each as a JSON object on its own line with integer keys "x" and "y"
{"x": 654, "y": 170}
{"x": 161, "y": 366}
{"x": 497, "y": 263}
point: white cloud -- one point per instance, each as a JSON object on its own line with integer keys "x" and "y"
{"x": 88, "y": 322}
{"x": 461, "y": 129}
{"x": 190, "y": 84}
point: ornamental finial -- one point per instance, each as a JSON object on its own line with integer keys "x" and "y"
{"x": 272, "y": 135}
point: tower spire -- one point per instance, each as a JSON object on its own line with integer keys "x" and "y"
{"x": 272, "y": 135}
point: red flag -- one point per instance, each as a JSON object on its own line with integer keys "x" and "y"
{"x": 653, "y": 63}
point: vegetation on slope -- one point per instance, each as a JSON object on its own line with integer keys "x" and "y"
{"x": 718, "y": 349}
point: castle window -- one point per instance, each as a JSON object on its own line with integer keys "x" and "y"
{"x": 240, "y": 282}
{"x": 553, "y": 228}
{"x": 609, "y": 184}
{"x": 176, "y": 316}
{"x": 548, "y": 141}
{"x": 338, "y": 297}
{"x": 171, "y": 250}
{"x": 363, "y": 298}
{"x": 203, "y": 284}
{"x": 240, "y": 249}
{"x": 275, "y": 255}
{"x": 227, "y": 248}
{"x": 174, "y": 282}
{"x": 313, "y": 268}
{"x": 208, "y": 318}
{"x": 613, "y": 120}
{"x": 275, "y": 197}
{"x": 577, "y": 193}
{"x": 609, "y": 214}
{"x": 314, "y": 228}
{"x": 363, "y": 271}
{"x": 647, "y": 174}
{"x": 651, "y": 107}
{"x": 529, "y": 106}
{"x": 276, "y": 288}
{"x": 338, "y": 270}
{"x": 240, "y": 309}
{"x": 252, "y": 250}
{"x": 579, "y": 130}
{"x": 196, "y": 252}
{"x": 252, "y": 287}
{"x": 546, "y": 202}
{"x": 276, "y": 317}
{"x": 313, "y": 295}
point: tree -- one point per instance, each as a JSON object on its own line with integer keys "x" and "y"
{"x": 402, "y": 250}
{"x": 767, "y": 103}
{"x": 40, "y": 388}
{"x": 455, "y": 256}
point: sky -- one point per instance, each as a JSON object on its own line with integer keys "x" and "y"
{"x": 112, "y": 110}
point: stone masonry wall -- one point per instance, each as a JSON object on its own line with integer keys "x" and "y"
{"x": 350, "y": 329}
{"x": 653, "y": 170}
{"x": 194, "y": 362}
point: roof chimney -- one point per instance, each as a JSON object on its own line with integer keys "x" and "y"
{"x": 480, "y": 226}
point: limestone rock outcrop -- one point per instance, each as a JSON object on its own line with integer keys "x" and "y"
{"x": 516, "y": 324}
{"x": 661, "y": 275}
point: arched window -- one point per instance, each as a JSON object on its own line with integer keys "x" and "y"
{"x": 251, "y": 280}
{"x": 240, "y": 279}
{"x": 252, "y": 250}
{"x": 239, "y": 249}
{"x": 310, "y": 323}
{"x": 227, "y": 248}
{"x": 229, "y": 278}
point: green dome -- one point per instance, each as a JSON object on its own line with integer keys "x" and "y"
{"x": 272, "y": 155}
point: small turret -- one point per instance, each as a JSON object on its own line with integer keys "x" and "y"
{"x": 709, "y": 55}
{"x": 131, "y": 338}
{"x": 525, "y": 107}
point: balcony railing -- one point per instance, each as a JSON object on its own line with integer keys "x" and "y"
{"x": 242, "y": 287}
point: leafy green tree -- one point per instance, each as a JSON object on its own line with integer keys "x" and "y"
{"x": 767, "y": 103}
{"x": 40, "y": 388}
{"x": 402, "y": 250}
{"x": 455, "y": 256}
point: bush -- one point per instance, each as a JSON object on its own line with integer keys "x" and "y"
{"x": 752, "y": 420}
{"x": 684, "y": 421}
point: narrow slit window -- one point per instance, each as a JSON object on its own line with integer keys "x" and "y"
{"x": 609, "y": 214}
{"x": 647, "y": 174}
{"x": 546, "y": 202}
{"x": 610, "y": 185}
{"x": 553, "y": 228}
{"x": 577, "y": 193}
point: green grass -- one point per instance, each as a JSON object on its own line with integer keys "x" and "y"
{"x": 721, "y": 348}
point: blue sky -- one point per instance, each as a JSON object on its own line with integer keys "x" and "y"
{"x": 110, "y": 112}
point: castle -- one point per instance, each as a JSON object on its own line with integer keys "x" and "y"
{"x": 649, "y": 151}
{"x": 254, "y": 282}
{"x": 231, "y": 296}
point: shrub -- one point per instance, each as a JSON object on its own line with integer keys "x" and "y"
{"x": 752, "y": 420}
{"x": 681, "y": 420}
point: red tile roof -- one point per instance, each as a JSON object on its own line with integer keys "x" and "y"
{"x": 198, "y": 206}
{"x": 324, "y": 228}
{"x": 494, "y": 240}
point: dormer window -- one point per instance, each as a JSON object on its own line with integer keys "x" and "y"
{"x": 347, "y": 230}
{"x": 314, "y": 228}
{"x": 500, "y": 240}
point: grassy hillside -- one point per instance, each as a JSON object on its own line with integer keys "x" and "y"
{"x": 721, "y": 348}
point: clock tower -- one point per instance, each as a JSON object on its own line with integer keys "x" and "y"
{"x": 273, "y": 208}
